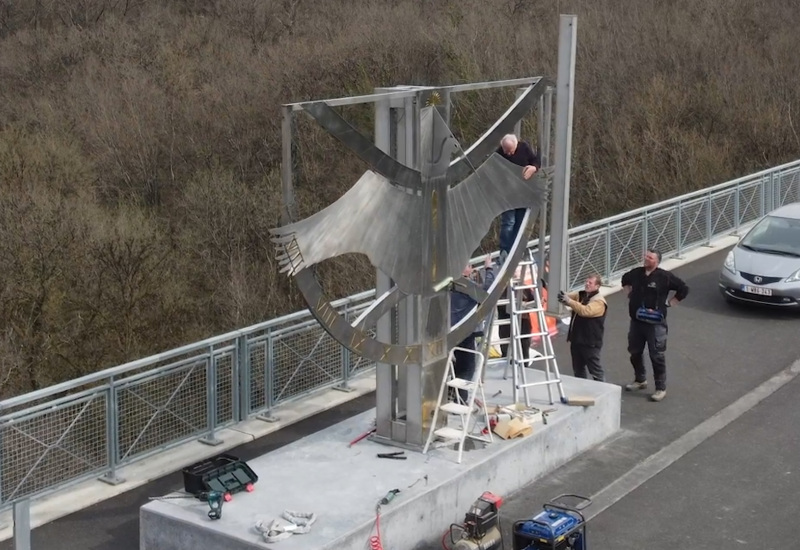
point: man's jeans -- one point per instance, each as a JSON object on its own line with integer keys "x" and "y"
{"x": 510, "y": 222}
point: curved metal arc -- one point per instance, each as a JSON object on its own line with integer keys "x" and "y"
{"x": 470, "y": 288}
{"x": 378, "y": 308}
{"x": 356, "y": 340}
{"x": 490, "y": 140}
{"x": 380, "y": 162}
{"x": 466, "y": 326}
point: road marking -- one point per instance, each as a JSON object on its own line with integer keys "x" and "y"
{"x": 655, "y": 463}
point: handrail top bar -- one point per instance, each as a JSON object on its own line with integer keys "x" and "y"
{"x": 412, "y": 91}
{"x": 120, "y": 370}
{"x": 683, "y": 198}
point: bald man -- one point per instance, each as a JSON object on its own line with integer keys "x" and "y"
{"x": 521, "y": 154}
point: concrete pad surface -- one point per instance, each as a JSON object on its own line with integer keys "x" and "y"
{"x": 342, "y": 485}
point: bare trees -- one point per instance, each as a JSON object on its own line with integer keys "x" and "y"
{"x": 140, "y": 144}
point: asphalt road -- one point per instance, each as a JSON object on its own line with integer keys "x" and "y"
{"x": 678, "y": 475}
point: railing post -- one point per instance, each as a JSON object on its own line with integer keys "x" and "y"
{"x": 797, "y": 183}
{"x": 607, "y": 274}
{"x": 112, "y": 435}
{"x": 241, "y": 380}
{"x": 269, "y": 373}
{"x": 762, "y": 198}
{"x": 344, "y": 385}
{"x": 776, "y": 192}
{"x": 22, "y": 525}
{"x": 679, "y": 230}
{"x": 709, "y": 224}
{"x": 645, "y": 233}
{"x": 736, "y": 208}
{"x": 211, "y": 400}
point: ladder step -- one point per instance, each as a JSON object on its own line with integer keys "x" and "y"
{"x": 449, "y": 433}
{"x": 538, "y": 358}
{"x": 461, "y": 383}
{"x": 530, "y": 335}
{"x": 524, "y": 287}
{"x": 455, "y": 408}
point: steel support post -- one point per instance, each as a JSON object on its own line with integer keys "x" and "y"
{"x": 545, "y": 133}
{"x": 565, "y": 90}
{"x": 384, "y": 373}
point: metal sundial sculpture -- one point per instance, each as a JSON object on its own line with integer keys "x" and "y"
{"x": 419, "y": 227}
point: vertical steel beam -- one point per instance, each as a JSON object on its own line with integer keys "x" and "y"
{"x": 545, "y": 133}
{"x": 384, "y": 373}
{"x": 286, "y": 162}
{"x": 409, "y": 425}
{"x": 565, "y": 90}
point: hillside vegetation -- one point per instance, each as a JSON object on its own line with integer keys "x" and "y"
{"x": 140, "y": 140}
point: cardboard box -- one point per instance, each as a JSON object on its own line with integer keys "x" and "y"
{"x": 511, "y": 429}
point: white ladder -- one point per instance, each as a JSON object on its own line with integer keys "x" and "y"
{"x": 458, "y": 408}
{"x": 545, "y": 354}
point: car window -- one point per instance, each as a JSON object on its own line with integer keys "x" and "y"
{"x": 774, "y": 234}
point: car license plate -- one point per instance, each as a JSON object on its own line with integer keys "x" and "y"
{"x": 760, "y": 290}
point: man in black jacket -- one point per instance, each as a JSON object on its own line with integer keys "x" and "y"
{"x": 648, "y": 289}
{"x": 586, "y": 328}
{"x": 521, "y": 154}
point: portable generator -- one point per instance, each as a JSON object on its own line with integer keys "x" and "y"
{"x": 480, "y": 530}
{"x": 557, "y": 527}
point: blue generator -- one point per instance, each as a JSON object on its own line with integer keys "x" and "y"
{"x": 558, "y": 527}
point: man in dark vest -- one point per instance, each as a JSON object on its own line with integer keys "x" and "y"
{"x": 586, "y": 328}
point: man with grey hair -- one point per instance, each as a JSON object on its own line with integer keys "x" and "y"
{"x": 586, "y": 327}
{"x": 521, "y": 154}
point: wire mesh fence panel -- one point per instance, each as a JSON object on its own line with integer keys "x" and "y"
{"x": 627, "y": 245}
{"x": 789, "y": 186}
{"x": 161, "y": 411}
{"x": 723, "y": 213}
{"x": 587, "y": 255}
{"x": 357, "y": 364}
{"x": 750, "y": 202}
{"x": 53, "y": 447}
{"x": 258, "y": 354}
{"x": 694, "y": 230}
{"x": 304, "y": 361}
{"x": 662, "y": 233}
{"x": 224, "y": 364}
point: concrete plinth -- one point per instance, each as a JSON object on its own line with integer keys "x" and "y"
{"x": 342, "y": 484}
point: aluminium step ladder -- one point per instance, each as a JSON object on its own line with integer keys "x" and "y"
{"x": 542, "y": 351}
{"x": 461, "y": 411}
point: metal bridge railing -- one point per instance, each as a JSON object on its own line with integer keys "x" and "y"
{"x": 91, "y": 426}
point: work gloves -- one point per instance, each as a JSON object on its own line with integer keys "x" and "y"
{"x": 562, "y": 297}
